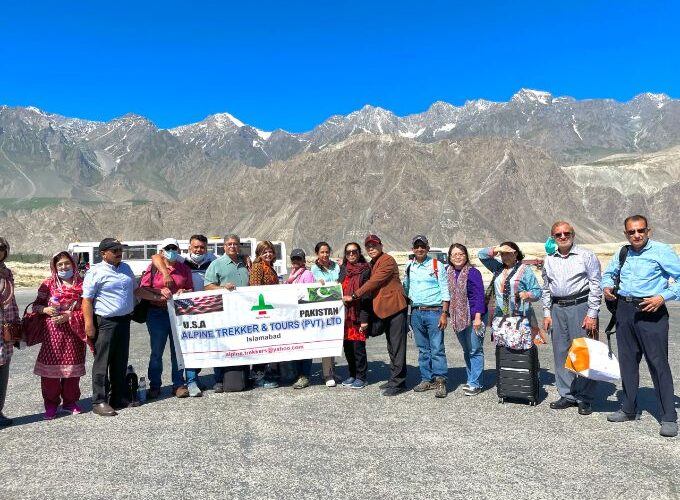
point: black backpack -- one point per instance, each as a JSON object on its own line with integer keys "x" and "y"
{"x": 611, "y": 304}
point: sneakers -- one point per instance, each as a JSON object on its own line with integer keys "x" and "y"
{"x": 331, "y": 382}
{"x": 301, "y": 382}
{"x": 50, "y": 413}
{"x": 669, "y": 429}
{"x": 266, "y": 383}
{"x": 425, "y": 385}
{"x": 472, "y": 391}
{"x": 622, "y": 416}
{"x": 180, "y": 392}
{"x": 73, "y": 409}
{"x": 194, "y": 390}
{"x": 358, "y": 384}
{"x": 440, "y": 388}
{"x": 218, "y": 388}
{"x": 348, "y": 381}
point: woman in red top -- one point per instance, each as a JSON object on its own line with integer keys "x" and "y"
{"x": 354, "y": 272}
{"x": 61, "y": 360}
{"x": 262, "y": 273}
{"x": 152, "y": 288}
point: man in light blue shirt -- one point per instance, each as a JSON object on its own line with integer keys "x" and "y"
{"x": 642, "y": 318}
{"x": 108, "y": 301}
{"x": 428, "y": 292}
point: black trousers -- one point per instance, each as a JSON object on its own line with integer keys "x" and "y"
{"x": 395, "y": 332}
{"x": 111, "y": 350}
{"x": 639, "y": 333}
{"x": 357, "y": 361}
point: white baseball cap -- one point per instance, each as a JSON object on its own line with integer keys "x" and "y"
{"x": 168, "y": 242}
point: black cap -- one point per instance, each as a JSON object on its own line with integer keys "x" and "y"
{"x": 421, "y": 238}
{"x": 297, "y": 252}
{"x": 109, "y": 243}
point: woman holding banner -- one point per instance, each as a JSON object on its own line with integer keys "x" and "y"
{"x": 354, "y": 272}
{"x": 262, "y": 273}
{"x": 152, "y": 288}
{"x": 325, "y": 270}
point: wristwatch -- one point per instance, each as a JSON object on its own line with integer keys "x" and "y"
{"x": 354, "y": 296}
{"x": 448, "y": 314}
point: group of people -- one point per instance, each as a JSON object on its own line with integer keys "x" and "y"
{"x": 96, "y": 312}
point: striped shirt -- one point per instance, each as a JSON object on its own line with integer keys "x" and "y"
{"x": 564, "y": 275}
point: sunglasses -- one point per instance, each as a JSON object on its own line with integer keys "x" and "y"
{"x": 171, "y": 247}
{"x": 631, "y": 232}
{"x": 352, "y": 252}
{"x": 566, "y": 234}
{"x": 116, "y": 249}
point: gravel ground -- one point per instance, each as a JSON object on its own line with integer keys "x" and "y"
{"x": 336, "y": 442}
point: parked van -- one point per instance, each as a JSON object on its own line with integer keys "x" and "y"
{"x": 137, "y": 254}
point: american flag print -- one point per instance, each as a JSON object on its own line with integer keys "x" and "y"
{"x": 199, "y": 305}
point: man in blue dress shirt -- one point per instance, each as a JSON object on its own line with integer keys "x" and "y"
{"x": 108, "y": 301}
{"x": 427, "y": 288}
{"x": 642, "y": 318}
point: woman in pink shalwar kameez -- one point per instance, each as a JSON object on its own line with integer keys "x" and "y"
{"x": 61, "y": 360}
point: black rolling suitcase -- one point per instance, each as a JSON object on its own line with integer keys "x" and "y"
{"x": 517, "y": 374}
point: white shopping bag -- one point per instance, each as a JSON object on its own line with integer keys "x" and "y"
{"x": 591, "y": 359}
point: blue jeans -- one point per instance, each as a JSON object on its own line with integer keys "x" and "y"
{"x": 430, "y": 342}
{"x": 192, "y": 374}
{"x": 473, "y": 352}
{"x": 158, "y": 324}
{"x": 303, "y": 367}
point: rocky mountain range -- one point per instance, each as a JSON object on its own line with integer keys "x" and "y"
{"x": 479, "y": 172}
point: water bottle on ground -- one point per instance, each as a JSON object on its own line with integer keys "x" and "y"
{"x": 141, "y": 390}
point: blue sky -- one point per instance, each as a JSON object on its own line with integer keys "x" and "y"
{"x": 293, "y": 64}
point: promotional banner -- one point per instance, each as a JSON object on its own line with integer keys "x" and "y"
{"x": 258, "y": 324}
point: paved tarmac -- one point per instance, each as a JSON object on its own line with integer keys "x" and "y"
{"x": 337, "y": 443}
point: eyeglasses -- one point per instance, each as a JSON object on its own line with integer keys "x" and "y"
{"x": 631, "y": 232}
{"x": 457, "y": 255}
{"x": 352, "y": 252}
{"x": 116, "y": 250}
{"x": 566, "y": 234}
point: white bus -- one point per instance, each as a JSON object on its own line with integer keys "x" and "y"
{"x": 137, "y": 254}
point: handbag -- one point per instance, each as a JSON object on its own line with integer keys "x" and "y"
{"x": 141, "y": 309}
{"x": 513, "y": 331}
{"x": 11, "y": 332}
{"x": 33, "y": 325}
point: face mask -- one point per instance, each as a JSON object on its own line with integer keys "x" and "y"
{"x": 65, "y": 275}
{"x": 196, "y": 257}
{"x": 550, "y": 246}
{"x": 171, "y": 255}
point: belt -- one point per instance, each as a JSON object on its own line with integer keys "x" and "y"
{"x": 427, "y": 308}
{"x": 571, "y": 302}
{"x": 628, "y": 298}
